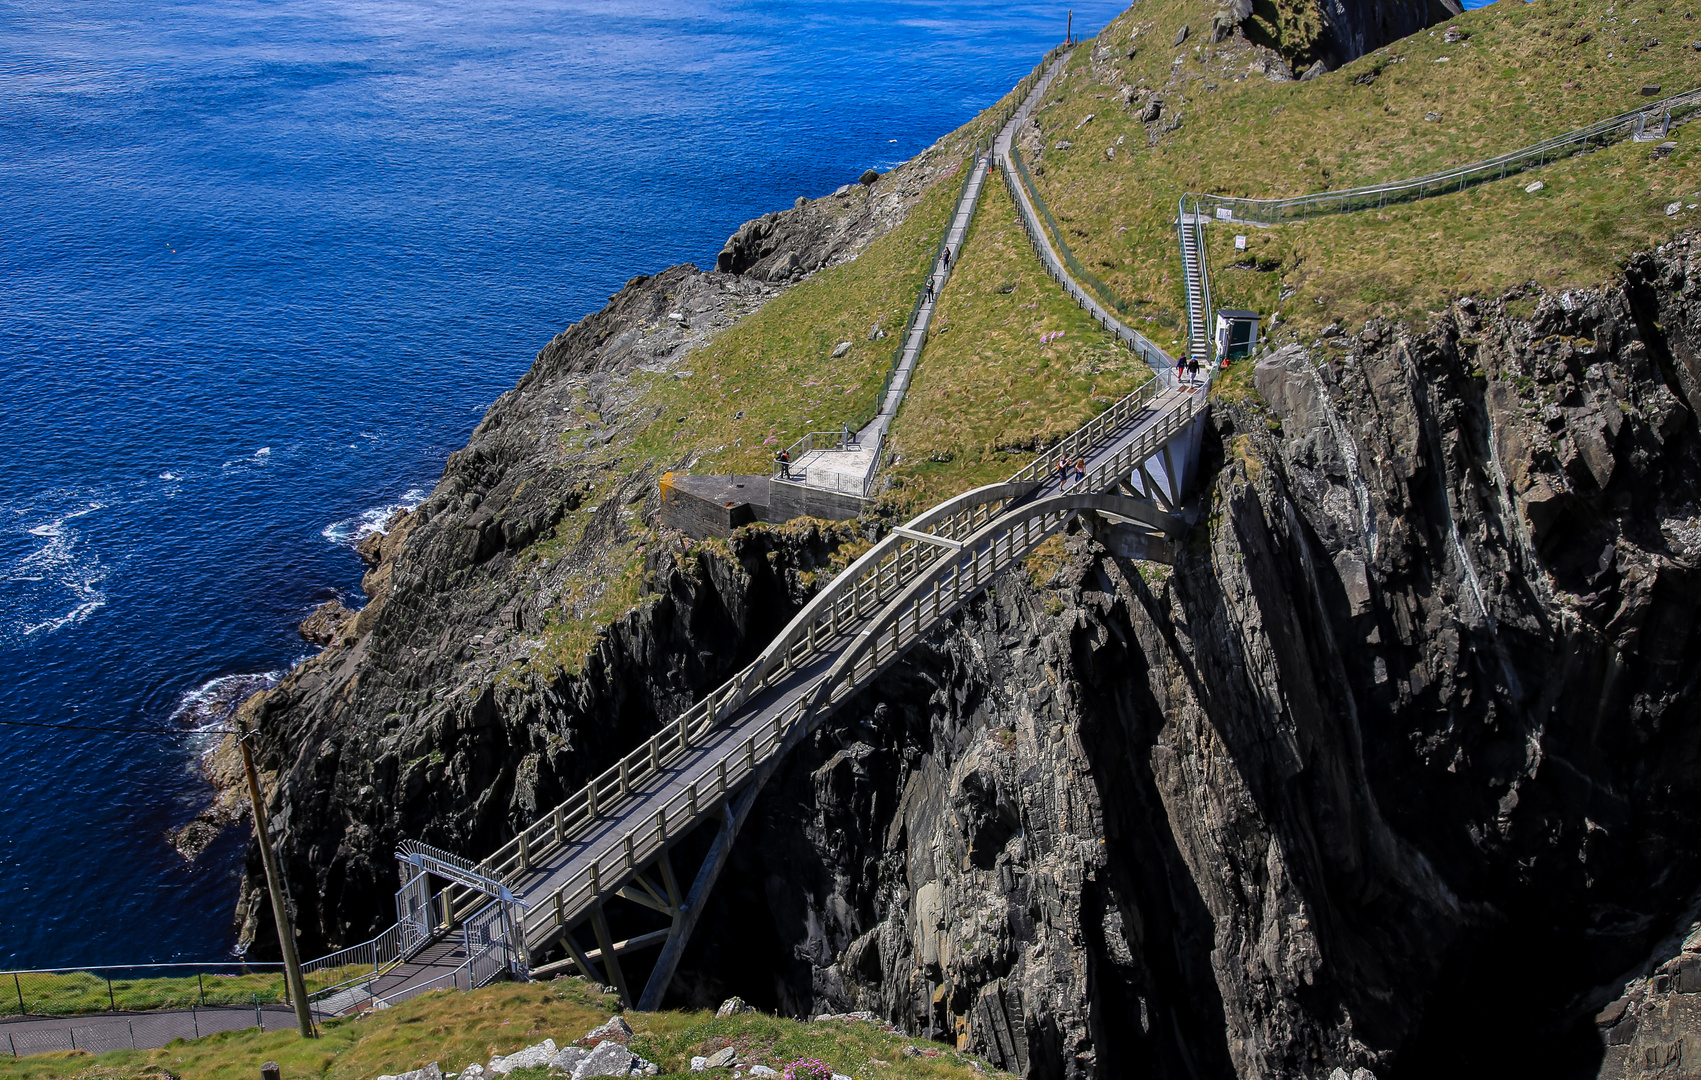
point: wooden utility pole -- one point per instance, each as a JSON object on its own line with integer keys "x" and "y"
{"x": 1069, "y": 36}
{"x": 274, "y": 885}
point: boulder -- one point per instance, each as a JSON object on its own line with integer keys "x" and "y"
{"x": 732, "y": 1006}
{"x": 1453, "y": 35}
{"x": 698, "y": 1064}
{"x": 475, "y": 1071}
{"x": 616, "y": 1029}
{"x": 722, "y": 1058}
{"x": 1180, "y": 36}
{"x": 430, "y": 1072}
{"x": 875, "y": 333}
{"x": 1154, "y": 109}
{"x": 532, "y": 1057}
{"x": 762, "y": 1070}
{"x": 841, "y": 349}
{"x": 869, "y": 177}
{"x": 567, "y": 1059}
{"x": 1313, "y": 71}
{"x": 607, "y": 1058}
{"x": 326, "y": 622}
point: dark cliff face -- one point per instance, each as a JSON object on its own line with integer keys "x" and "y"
{"x": 1331, "y": 32}
{"x": 453, "y": 708}
{"x": 1396, "y": 769}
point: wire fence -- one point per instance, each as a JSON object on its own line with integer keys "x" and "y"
{"x": 1645, "y": 124}
{"x": 1076, "y": 268}
{"x": 147, "y": 1031}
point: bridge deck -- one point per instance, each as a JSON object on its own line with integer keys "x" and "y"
{"x": 637, "y": 811}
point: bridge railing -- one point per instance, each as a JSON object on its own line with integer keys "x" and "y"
{"x": 1678, "y": 109}
{"x": 932, "y": 593}
{"x": 1092, "y": 432}
{"x": 861, "y": 587}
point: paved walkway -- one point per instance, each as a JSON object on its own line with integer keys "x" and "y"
{"x": 98, "y": 1033}
{"x": 849, "y": 470}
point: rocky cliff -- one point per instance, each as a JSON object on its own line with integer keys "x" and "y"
{"x": 488, "y": 676}
{"x": 1394, "y": 769}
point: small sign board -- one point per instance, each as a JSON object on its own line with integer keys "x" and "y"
{"x": 1240, "y": 243}
{"x": 1224, "y": 214}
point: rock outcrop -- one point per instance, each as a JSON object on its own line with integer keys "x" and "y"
{"x": 459, "y": 700}
{"x": 1406, "y": 740}
{"x": 1396, "y": 770}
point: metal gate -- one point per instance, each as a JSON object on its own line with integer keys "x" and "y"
{"x": 413, "y": 913}
{"x": 493, "y": 942}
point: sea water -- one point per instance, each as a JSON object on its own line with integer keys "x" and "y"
{"x": 263, "y": 265}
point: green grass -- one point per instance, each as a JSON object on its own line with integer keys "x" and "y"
{"x": 775, "y": 366}
{"x": 1525, "y": 73}
{"x": 455, "y": 1029}
{"x": 987, "y": 395}
{"x": 73, "y": 992}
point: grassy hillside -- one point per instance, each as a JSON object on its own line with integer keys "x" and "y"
{"x": 1523, "y": 72}
{"x": 988, "y": 393}
{"x": 455, "y": 1029}
{"x": 1012, "y": 365}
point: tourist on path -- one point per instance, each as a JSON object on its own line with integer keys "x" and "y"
{"x": 784, "y": 459}
{"x": 930, "y": 290}
{"x": 1062, "y": 472}
{"x": 1080, "y": 471}
{"x": 947, "y": 258}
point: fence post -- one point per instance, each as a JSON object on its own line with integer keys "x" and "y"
{"x": 196, "y": 1020}
{"x": 110, "y": 1000}
{"x": 259, "y": 1022}
{"x": 201, "y": 981}
{"x": 14, "y": 1047}
{"x": 131, "y": 1025}
{"x": 19, "y": 987}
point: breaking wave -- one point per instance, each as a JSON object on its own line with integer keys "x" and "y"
{"x": 351, "y": 531}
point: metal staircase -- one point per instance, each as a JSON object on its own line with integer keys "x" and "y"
{"x": 1190, "y": 227}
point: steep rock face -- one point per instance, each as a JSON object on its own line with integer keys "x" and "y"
{"x": 1407, "y": 742}
{"x": 442, "y": 711}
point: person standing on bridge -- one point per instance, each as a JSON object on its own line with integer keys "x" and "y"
{"x": 783, "y": 458}
{"x": 930, "y": 290}
{"x": 1062, "y": 471}
{"x": 1080, "y": 470}
{"x": 947, "y": 260}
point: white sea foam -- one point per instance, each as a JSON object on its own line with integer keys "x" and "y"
{"x": 264, "y": 451}
{"x": 56, "y": 572}
{"x": 351, "y": 531}
{"x": 203, "y": 710}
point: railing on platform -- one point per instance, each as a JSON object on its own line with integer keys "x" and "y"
{"x": 73, "y": 991}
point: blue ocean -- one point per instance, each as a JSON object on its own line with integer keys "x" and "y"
{"x": 263, "y": 265}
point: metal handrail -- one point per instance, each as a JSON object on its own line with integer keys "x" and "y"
{"x": 1161, "y": 362}
{"x": 1677, "y": 109}
{"x": 1105, "y": 292}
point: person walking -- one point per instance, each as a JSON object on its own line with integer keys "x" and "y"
{"x": 1080, "y": 470}
{"x": 784, "y": 460}
{"x": 1062, "y": 472}
{"x": 947, "y": 260}
{"x": 930, "y": 290}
